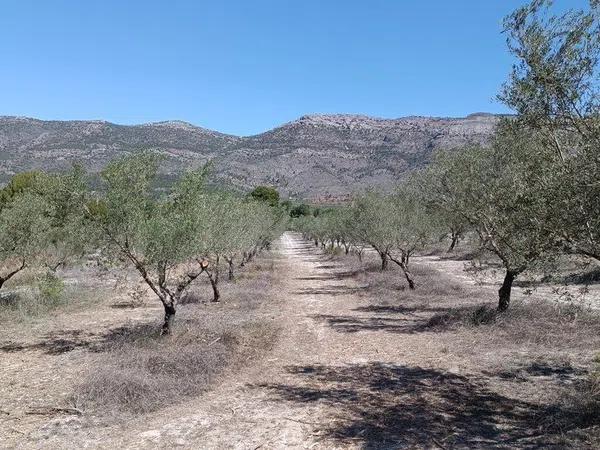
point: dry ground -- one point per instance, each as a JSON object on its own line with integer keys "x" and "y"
{"x": 359, "y": 362}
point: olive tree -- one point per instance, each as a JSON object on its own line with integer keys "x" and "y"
{"x": 39, "y": 223}
{"x": 555, "y": 89}
{"x": 218, "y": 215}
{"x": 502, "y": 193}
{"x": 24, "y": 227}
{"x": 157, "y": 234}
{"x": 413, "y": 227}
{"x": 232, "y": 226}
{"x": 373, "y": 223}
{"x": 438, "y": 206}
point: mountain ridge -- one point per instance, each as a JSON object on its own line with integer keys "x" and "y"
{"x": 316, "y": 155}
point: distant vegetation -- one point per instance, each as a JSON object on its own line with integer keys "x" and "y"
{"x": 266, "y": 194}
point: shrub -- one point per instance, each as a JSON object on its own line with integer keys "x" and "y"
{"x": 51, "y": 289}
{"x": 301, "y": 210}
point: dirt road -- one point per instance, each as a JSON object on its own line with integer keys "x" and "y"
{"x": 248, "y": 410}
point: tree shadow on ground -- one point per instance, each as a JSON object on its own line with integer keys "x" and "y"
{"x": 337, "y": 275}
{"x": 392, "y": 406}
{"x": 59, "y": 342}
{"x": 333, "y": 290}
{"x": 327, "y": 266}
{"x": 560, "y": 371}
{"x": 404, "y": 319}
{"x": 354, "y": 324}
{"x": 398, "y": 309}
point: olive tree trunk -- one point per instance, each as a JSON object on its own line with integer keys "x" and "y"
{"x": 505, "y": 290}
{"x": 8, "y": 276}
{"x": 230, "y": 274}
{"x": 403, "y": 264}
{"x": 408, "y": 276}
{"x": 453, "y": 243}
{"x": 167, "y": 327}
{"x": 384, "y": 260}
{"x": 214, "y": 280}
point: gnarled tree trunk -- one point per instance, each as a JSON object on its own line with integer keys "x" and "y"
{"x": 408, "y": 276}
{"x": 505, "y": 290}
{"x": 403, "y": 263}
{"x": 230, "y": 274}
{"x": 359, "y": 253}
{"x": 452, "y": 244}
{"x": 167, "y": 327}
{"x": 384, "y": 260}
{"x": 215, "y": 287}
{"x": 8, "y": 276}
{"x": 214, "y": 280}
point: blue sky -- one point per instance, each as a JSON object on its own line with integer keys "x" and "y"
{"x": 244, "y": 66}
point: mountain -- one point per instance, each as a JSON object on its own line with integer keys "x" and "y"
{"x": 317, "y": 157}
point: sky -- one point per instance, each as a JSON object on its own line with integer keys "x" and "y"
{"x": 245, "y": 66}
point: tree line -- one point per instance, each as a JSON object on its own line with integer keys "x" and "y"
{"x": 530, "y": 196}
{"x": 170, "y": 238}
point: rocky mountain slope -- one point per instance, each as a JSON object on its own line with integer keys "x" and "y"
{"x": 317, "y": 156}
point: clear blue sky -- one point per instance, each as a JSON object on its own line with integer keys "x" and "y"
{"x": 244, "y": 66}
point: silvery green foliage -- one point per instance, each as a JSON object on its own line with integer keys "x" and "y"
{"x": 373, "y": 221}
{"x": 505, "y": 194}
{"x": 502, "y": 193}
{"x": 41, "y": 224}
{"x": 169, "y": 237}
{"x": 25, "y": 225}
{"x": 414, "y": 225}
{"x": 555, "y": 89}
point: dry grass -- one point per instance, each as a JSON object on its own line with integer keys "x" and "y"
{"x": 36, "y": 296}
{"x": 137, "y": 371}
{"x": 141, "y": 372}
{"x": 539, "y": 351}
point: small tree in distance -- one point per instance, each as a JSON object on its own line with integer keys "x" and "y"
{"x": 266, "y": 194}
{"x": 300, "y": 210}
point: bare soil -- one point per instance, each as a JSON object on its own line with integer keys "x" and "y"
{"x": 360, "y": 362}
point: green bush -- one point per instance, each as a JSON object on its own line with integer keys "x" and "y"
{"x": 51, "y": 289}
{"x": 300, "y": 210}
{"x": 34, "y": 299}
{"x": 266, "y": 194}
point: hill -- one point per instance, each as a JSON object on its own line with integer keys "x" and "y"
{"x": 320, "y": 157}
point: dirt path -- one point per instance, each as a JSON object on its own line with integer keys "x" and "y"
{"x": 243, "y": 412}
{"x": 274, "y": 403}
